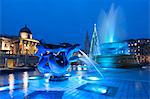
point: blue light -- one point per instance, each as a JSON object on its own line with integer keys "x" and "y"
{"x": 94, "y": 88}
{"x": 8, "y": 88}
{"x": 67, "y": 75}
{"x": 98, "y": 89}
{"x": 92, "y": 78}
{"x": 35, "y": 77}
{"x": 47, "y": 75}
{"x": 79, "y": 68}
{"x": 4, "y": 88}
{"x": 102, "y": 90}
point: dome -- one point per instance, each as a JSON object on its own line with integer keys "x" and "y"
{"x": 25, "y": 33}
{"x": 25, "y": 29}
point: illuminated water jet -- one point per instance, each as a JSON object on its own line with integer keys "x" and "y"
{"x": 90, "y": 62}
{"x": 111, "y": 25}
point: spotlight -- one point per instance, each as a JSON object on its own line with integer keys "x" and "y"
{"x": 35, "y": 78}
{"x": 92, "y": 78}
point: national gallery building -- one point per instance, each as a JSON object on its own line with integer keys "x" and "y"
{"x": 18, "y": 50}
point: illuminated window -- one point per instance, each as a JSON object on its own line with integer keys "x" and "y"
{"x": 24, "y": 35}
{"x": 138, "y": 53}
{"x": 135, "y": 44}
{"x": 138, "y": 40}
{"x": 30, "y": 36}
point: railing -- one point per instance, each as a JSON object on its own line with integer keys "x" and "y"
{"x": 16, "y": 55}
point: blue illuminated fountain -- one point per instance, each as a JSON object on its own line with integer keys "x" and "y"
{"x": 107, "y": 45}
{"x": 111, "y": 25}
{"x": 55, "y": 59}
{"x": 112, "y": 33}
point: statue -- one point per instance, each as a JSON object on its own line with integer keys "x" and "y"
{"x": 56, "y": 59}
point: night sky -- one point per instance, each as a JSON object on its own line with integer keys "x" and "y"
{"x": 68, "y": 20}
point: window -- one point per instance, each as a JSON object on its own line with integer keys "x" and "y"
{"x": 5, "y": 45}
{"x": 131, "y": 44}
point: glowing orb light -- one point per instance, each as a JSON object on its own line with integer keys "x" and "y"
{"x": 34, "y": 77}
{"x": 98, "y": 89}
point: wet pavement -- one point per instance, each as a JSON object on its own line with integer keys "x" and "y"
{"x": 116, "y": 84}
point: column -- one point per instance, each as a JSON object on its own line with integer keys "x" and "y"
{"x": 22, "y": 47}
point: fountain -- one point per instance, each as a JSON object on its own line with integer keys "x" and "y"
{"x": 111, "y": 31}
{"x": 90, "y": 62}
{"x": 108, "y": 47}
{"x": 55, "y": 59}
{"x": 111, "y": 25}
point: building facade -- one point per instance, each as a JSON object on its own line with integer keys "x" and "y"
{"x": 139, "y": 46}
{"x": 16, "y": 50}
{"x": 141, "y": 49}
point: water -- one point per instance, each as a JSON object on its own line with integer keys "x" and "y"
{"x": 90, "y": 62}
{"x": 111, "y": 28}
{"x": 112, "y": 25}
{"x": 30, "y": 85}
{"x": 10, "y": 82}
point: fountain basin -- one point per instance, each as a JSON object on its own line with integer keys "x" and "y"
{"x": 109, "y": 61}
